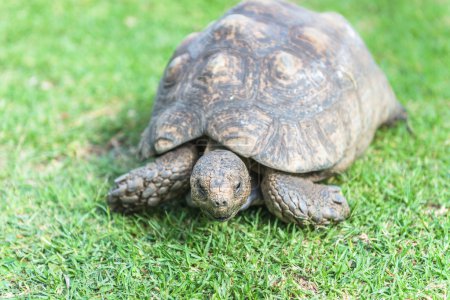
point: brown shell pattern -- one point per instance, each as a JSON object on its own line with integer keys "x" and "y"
{"x": 293, "y": 89}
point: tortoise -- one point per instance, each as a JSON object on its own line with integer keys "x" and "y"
{"x": 258, "y": 109}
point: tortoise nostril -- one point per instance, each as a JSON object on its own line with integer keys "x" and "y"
{"x": 220, "y": 203}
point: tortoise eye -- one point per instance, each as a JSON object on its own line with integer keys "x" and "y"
{"x": 201, "y": 189}
{"x": 238, "y": 187}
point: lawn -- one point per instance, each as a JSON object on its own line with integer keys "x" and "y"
{"x": 77, "y": 79}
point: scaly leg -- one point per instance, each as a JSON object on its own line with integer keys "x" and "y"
{"x": 164, "y": 179}
{"x": 294, "y": 199}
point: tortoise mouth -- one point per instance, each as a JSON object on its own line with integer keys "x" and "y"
{"x": 219, "y": 218}
{"x": 223, "y": 219}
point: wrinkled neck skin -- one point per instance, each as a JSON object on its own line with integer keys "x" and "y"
{"x": 220, "y": 184}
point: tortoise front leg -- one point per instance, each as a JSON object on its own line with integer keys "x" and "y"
{"x": 294, "y": 199}
{"x": 164, "y": 179}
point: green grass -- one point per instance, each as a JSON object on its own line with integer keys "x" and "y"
{"x": 76, "y": 83}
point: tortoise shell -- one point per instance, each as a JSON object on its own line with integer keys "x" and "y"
{"x": 295, "y": 90}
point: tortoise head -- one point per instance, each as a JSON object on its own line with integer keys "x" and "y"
{"x": 220, "y": 184}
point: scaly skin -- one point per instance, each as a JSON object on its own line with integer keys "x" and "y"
{"x": 220, "y": 184}
{"x": 294, "y": 199}
{"x": 164, "y": 179}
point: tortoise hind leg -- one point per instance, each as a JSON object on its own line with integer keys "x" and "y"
{"x": 398, "y": 114}
{"x": 294, "y": 199}
{"x": 164, "y": 179}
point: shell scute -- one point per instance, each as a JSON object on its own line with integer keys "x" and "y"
{"x": 294, "y": 90}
